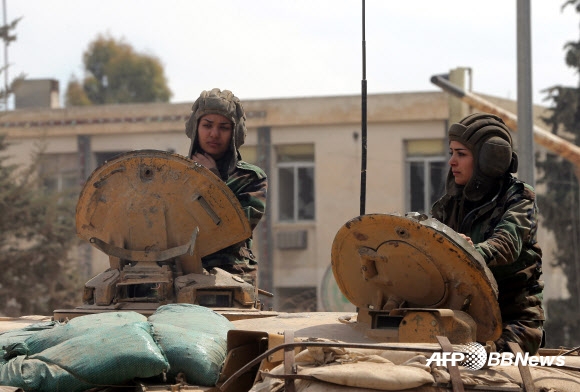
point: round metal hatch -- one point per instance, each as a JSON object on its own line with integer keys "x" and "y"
{"x": 152, "y": 201}
{"x": 416, "y": 263}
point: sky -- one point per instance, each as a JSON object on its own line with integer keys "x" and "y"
{"x": 263, "y": 49}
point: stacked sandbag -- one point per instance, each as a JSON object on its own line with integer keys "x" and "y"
{"x": 88, "y": 352}
{"x": 116, "y": 348}
{"x": 79, "y": 326}
{"x": 14, "y": 337}
{"x": 194, "y": 339}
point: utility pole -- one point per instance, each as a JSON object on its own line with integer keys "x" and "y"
{"x": 525, "y": 107}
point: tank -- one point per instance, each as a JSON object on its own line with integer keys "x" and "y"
{"x": 426, "y": 304}
{"x": 155, "y": 215}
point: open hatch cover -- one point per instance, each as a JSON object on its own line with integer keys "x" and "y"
{"x": 420, "y": 262}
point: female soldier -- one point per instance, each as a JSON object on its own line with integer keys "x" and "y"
{"x": 217, "y": 128}
{"x": 497, "y": 214}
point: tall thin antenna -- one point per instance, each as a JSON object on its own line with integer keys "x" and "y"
{"x": 363, "y": 170}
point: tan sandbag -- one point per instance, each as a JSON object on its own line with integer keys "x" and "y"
{"x": 485, "y": 377}
{"x": 360, "y": 368}
{"x": 271, "y": 384}
{"x": 545, "y": 377}
{"x": 320, "y": 355}
{"x": 323, "y": 355}
{"x": 381, "y": 376}
{"x": 320, "y": 386}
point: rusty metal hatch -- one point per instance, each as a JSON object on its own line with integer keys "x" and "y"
{"x": 383, "y": 262}
{"x": 151, "y": 205}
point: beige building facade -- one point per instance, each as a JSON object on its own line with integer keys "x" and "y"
{"x": 310, "y": 148}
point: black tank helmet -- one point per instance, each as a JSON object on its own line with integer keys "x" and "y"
{"x": 490, "y": 141}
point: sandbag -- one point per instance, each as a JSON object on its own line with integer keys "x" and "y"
{"x": 375, "y": 375}
{"x": 78, "y": 326}
{"x": 18, "y": 336}
{"x": 194, "y": 339}
{"x": 351, "y": 368}
{"x": 195, "y": 317}
{"x": 107, "y": 355}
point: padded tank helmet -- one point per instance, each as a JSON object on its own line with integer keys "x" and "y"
{"x": 228, "y": 105}
{"x": 490, "y": 141}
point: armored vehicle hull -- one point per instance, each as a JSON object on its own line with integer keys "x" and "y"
{"x": 427, "y": 311}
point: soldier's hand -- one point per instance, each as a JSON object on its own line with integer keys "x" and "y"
{"x": 205, "y": 160}
{"x": 468, "y": 239}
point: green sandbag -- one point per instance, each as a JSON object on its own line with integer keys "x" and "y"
{"x": 198, "y": 318}
{"x": 19, "y": 336}
{"x": 194, "y": 339}
{"x": 77, "y": 326}
{"x": 107, "y": 355}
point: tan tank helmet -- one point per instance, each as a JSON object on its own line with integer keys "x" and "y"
{"x": 490, "y": 141}
{"x": 221, "y": 102}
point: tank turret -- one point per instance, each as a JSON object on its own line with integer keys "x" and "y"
{"x": 156, "y": 215}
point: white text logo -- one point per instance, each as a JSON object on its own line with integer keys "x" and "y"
{"x": 473, "y": 356}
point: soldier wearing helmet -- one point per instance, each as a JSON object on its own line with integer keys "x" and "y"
{"x": 217, "y": 128}
{"x": 497, "y": 214}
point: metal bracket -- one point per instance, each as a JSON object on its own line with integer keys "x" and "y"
{"x": 456, "y": 382}
{"x": 146, "y": 255}
{"x": 289, "y": 365}
{"x": 525, "y": 373}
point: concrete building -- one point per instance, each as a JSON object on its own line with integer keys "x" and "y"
{"x": 36, "y": 93}
{"x": 311, "y": 150}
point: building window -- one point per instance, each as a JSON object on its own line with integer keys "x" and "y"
{"x": 60, "y": 172}
{"x": 295, "y": 183}
{"x": 426, "y": 170}
{"x": 61, "y": 181}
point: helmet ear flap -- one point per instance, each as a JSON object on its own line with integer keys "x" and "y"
{"x": 190, "y": 124}
{"x": 240, "y": 132}
{"x": 514, "y": 163}
{"x": 495, "y": 157}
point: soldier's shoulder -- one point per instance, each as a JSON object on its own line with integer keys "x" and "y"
{"x": 245, "y": 166}
{"x": 521, "y": 190}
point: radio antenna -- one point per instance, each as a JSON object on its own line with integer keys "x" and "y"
{"x": 363, "y": 170}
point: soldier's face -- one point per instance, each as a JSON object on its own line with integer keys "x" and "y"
{"x": 214, "y": 134}
{"x": 461, "y": 162}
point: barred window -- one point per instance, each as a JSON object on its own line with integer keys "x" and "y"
{"x": 296, "y": 191}
{"x": 426, "y": 168}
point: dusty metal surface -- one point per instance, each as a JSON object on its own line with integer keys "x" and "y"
{"x": 330, "y": 325}
{"x": 146, "y": 202}
{"x": 156, "y": 214}
{"x": 12, "y": 323}
{"x": 384, "y": 262}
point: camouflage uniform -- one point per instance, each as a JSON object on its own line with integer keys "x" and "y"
{"x": 504, "y": 233}
{"x": 499, "y": 214}
{"x": 248, "y": 182}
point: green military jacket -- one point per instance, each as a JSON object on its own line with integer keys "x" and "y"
{"x": 250, "y": 184}
{"x": 503, "y": 228}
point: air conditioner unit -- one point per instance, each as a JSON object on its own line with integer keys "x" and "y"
{"x": 295, "y": 239}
